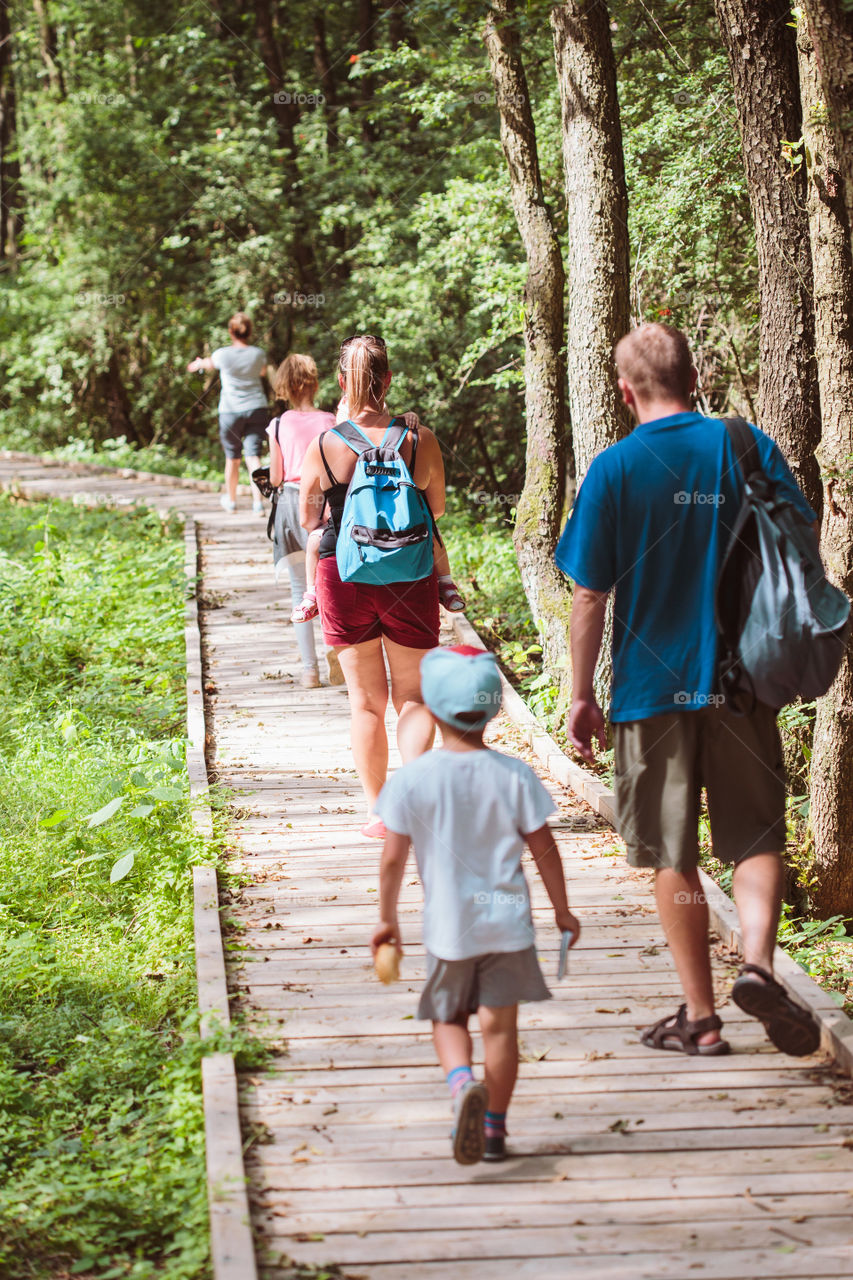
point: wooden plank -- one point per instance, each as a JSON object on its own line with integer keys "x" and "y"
{"x": 578, "y": 1239}
{"x": 734, "y": 1265}
{"x": 799, "y": 1210}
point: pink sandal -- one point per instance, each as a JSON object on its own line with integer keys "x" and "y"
{"x": 448, "y": 594}
{"x": 307, "y": 610}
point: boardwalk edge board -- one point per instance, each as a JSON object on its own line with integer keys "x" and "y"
{"x": 123, "y": 473}
{"x": 836, "y": 1027}
{"x": 231, "y": 1242}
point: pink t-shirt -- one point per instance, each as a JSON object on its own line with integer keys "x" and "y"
{"x": 296, "y": 429}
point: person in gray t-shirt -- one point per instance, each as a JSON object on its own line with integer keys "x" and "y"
{"x": 242, "y": 405}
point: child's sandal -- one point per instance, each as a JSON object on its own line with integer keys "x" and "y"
{"x": 307, "y": 610}
{"x": 448, "y": 594}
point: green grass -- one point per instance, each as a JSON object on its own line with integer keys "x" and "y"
{"x": 101, "y": 1131}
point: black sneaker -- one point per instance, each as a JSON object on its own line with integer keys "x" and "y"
{"x": 495, "y": 1148}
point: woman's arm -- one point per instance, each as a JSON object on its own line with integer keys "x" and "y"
{"x": 200, "y": 362}
{"x": 311, "y": 496}
{"x": 429, "y": 471}
{"x": 276, "y": 459}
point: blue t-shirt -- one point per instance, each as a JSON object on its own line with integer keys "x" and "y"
{"x": 652, "y": 519}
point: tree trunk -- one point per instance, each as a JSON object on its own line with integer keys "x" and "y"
{"x": 831, "y": 808}
{"x": 286, "y": 113}
{"x": 599, "y": 263}
{"x": 11, "y": 201}
{"x": 831, "y": 26}
{"x": 763, "y": 57}
{"x": 597, "y": 207}
{"x": 539, "y": 510}
{"x": 327, "y": 82}
{"x": 49, "y": 48}
{"x": 396, "y": 22}
{"x": 366, "y": 87}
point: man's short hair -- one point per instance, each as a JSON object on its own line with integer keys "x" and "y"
{"x": 656, "y": 360}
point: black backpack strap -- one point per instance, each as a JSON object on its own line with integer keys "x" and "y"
{"x": 332, "y": 479}
{"x": 394, "y": 438}
{"x": 350, "y": 434}
{"x": 743, "y": 443}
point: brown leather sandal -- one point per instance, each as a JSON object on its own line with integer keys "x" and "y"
{"x": 680, "y": 1035}
{"x": 791, "y": 1028}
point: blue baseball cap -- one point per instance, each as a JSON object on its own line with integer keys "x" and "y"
{"x": 460, "y": 680}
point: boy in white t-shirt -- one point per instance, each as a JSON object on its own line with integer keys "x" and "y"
{"x": 468, "y": 811}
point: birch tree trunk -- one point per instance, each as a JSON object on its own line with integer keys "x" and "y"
{"x": 763, "y": 58}
{"x": 831, "y": 808}
{"x": 597, "y": 199}
{"x": 540, "y": 505}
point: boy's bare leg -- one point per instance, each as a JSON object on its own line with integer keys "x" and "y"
{"x": 499, "y": 1028}
{"x": 452, "y": 1042}
{"x": 440, "y": 558}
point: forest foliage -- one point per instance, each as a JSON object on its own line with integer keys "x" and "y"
{"x": 171, "y": 172}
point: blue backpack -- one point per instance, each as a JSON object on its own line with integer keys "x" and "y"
{"x": 386, "y": 526}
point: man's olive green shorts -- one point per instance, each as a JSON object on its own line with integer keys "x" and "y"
{"x": 663, "y": 763}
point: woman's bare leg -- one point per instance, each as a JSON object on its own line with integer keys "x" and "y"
{"x": 415, "y": 725}
{"x": 232, "y": 476}
{"x": 363, "y": 666}
{"x": 252, "y": 464}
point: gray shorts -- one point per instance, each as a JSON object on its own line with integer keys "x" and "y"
{"x": 288, "y": 534}
{"x": 663, "y": 763}
{"x": 456, "y": 988}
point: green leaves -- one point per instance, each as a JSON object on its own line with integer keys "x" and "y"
{"x": 108, "y": 811}
{"x": 123, "y": 867}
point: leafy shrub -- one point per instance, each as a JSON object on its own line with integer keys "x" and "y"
{"x": 102, "y": 1151}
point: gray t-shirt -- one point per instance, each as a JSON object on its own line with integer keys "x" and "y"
{"x": 467, "y": 813}
{"x": 240, "y": 372}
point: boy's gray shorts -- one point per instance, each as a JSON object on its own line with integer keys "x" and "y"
{"x": 455, "y": 988}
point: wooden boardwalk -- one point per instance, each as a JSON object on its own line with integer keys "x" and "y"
{"x": 628, "y": 1164}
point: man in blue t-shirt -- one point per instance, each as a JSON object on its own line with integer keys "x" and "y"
{"x": 650, "y": 523}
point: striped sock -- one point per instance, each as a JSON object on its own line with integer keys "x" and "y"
{"x": 495, "y": 1124}
{"x": 457, "y": 1077}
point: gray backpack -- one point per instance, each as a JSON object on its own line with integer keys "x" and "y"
{"x": 782, "y": 626}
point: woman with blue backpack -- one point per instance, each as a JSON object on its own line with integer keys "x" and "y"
{"x": 376, "y": 583}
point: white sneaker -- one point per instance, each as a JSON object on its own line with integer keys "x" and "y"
{"x": 310, "y": 678}
{"x": 258, "y": 508}
{"x": 226, "y": 503}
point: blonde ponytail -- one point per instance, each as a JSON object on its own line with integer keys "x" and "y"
{"x": 364, "y": 365}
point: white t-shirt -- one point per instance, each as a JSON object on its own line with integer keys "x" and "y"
{"x": 467, "y": 813}
{"x": 240, "y": 375}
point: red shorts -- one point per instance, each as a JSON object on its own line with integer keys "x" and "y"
{"x": 352, "y": 612}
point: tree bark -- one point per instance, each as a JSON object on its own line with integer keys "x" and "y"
{"x": 763, "y": 58}
{"x": 831, "y": 27}
{"x": 539, "y": 509}
{"x": 11, "y": 202}
{"x": 831, "y": 807}
{"x": 597, "y": 207}
{"x": 286, "y": 113}
{"x": 49, "y": 48}
{"x": 327, "y": 82}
